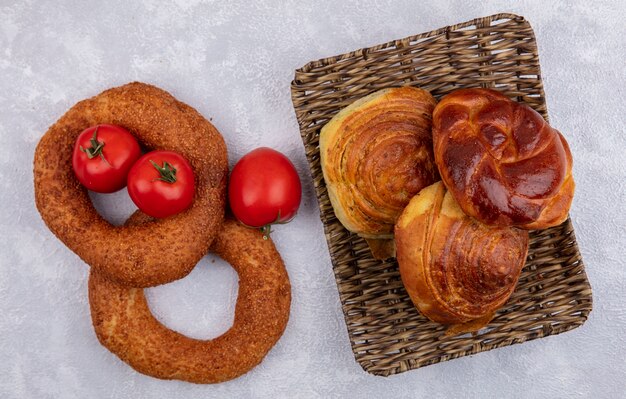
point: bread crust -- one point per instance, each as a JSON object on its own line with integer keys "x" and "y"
{"x": 501, "y": 160}
{"x": 375, "y": 155}
{"x": 456, "y": 270}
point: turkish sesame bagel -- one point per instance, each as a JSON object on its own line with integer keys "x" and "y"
{"x": 125, "y": 325}
{"x": 140, "y": 255}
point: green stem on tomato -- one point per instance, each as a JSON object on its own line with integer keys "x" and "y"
{"x": 96, "y": 147}
{"x": 267, "y": 229}
{"x": 167, "y": 172}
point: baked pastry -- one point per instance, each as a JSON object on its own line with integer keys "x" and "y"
{"x": 375, "y": 155}
{"x": 124, "y": 324}
{"x": 501, "y": 160}
{"x": 145, "y": 255}
{"x": 456, "y": 270}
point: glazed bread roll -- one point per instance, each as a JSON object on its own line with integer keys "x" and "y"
{"x": 376, "y": 154}
{"x": 456, "y": 270}
{"x": 502, "y": 162}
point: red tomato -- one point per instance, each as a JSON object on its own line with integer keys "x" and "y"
{"x": 264, "y": 189}
{"x": 161, "y": 184}
{"x": 103, "y": 155}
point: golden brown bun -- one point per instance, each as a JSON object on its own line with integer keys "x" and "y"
{"x": 375, "y": 155}
{"x": 153, "y": 253}
{"x": 124, "y": 324}
{"x": 456, "y": 270}
{"x": 502, "y": 162}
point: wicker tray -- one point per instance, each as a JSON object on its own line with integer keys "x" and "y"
{"x": 387, "y": 334}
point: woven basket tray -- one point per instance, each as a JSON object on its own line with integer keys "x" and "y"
{"x": 387, "y": 334}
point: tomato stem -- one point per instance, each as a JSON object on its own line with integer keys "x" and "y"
{"x": 167, "y": 172}
{"x": 96, "y": 147}
{"x": 267, "y": 229}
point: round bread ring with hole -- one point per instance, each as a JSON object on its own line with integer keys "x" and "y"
{"x": 153, "y": 253}
{"x": 124, "y": 324}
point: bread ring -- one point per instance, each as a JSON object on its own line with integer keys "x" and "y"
{"x": 124, "y": 324}
{"x": 153, "y": 253}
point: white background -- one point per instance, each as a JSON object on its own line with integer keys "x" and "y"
{"x": 234, "y": 61}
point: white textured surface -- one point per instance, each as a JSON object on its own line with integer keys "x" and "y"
{"x": 234, "y": 61}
